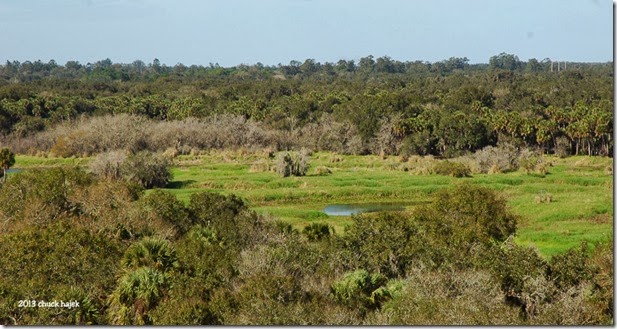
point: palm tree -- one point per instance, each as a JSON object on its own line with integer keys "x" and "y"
{"x": 153, "y": 252}
{"x": 137, "y": 293}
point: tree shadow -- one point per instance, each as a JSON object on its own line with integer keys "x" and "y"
{"x": 180, "y": 184}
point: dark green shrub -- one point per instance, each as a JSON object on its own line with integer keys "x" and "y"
{"x": 317, "y": 231}
{"x": 185, "y": 304}
{"x": 601, "y": 263}
{"x": 167, "y": 207}
{"x": 228, "y": 217}
{"x": 48, "y": 262}
{"x": 570, "y": 268}
{"x": 454, "y": 169}
{"x": 39, "y": 195}
{"x": 284, "y": 227}
{"x": 7, "y": 160}
{"x": 468, "y": 214}
{"x": 387, "y": 243}
{"x": 511, "y": 264}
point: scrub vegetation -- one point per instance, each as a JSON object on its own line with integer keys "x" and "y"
{"x": 146, "y": 194}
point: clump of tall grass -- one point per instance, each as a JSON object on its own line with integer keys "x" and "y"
{"x": 260, "y": 166}
{"x": 543, "y": 197}
{"x": 533, "y": 162}
{"x": 322, "y": 171}
{"x": 292, "y": 163}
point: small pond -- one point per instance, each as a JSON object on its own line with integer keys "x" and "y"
{"x": 13, "y": 170}
{"x": 354, "y": 209}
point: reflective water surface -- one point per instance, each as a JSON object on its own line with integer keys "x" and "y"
{"x": 353, "y": 209}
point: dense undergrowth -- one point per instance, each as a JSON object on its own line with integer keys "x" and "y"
{"x": 130, "y": 258}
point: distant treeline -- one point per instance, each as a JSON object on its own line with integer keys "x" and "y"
{"x": 381, "y": 105}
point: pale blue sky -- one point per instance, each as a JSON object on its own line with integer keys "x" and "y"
{"x": 231, "y": 32}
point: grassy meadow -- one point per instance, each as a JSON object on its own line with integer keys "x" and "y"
{"x": 573, "y": 202}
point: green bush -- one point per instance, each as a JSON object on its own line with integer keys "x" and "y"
{"x": 511, "y": 264}
{"x": 228, "y": 217}
{"x": 461, "y": 222}
{"x": 48, "y": 262}
{"x": 39, "y": 195}
{"x": 167, "y": 207}
{"x": 318, "y": 231}
{"x": 454, "y": 169}
{"x": 570, "y": 268}
{"x": 532, "y": 162}
{"x": 361, "y": 289}
{"x": 387, "y": 243}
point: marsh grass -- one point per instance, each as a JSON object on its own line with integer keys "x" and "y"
{"x": 581, "y": 207}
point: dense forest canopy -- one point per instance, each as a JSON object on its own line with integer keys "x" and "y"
{"x": 375, "y": 105}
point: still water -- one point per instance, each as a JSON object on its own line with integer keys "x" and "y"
{"x": 353, "y": 209}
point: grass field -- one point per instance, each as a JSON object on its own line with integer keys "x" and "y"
{"x": 581, "y": 190}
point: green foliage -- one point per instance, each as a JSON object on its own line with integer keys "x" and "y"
{"x": 167, "y": 207}
{"x": 468, "y": 214}
{"x": 570, "y": 268}
{"x": 601, "y": 262}
{"x": 7, "y": 160}
{"x": 512, "y": 264}
{"x": 318, "y": 231}
{"x": 360, "y": 289}
{"x": 39, "y": 196}
{"x": 137, "y": 292}
{"x": 227, "y": 217}
{"x": 150, "y": 252}
{"x": 183, "y": 305}
{"x": 454, "y": 169}
{"x": 208, "y": 208}
{"x": 387, "y": 243}
{"x": 61, "y": 261}
{"x": 445, "y": 108}
{"x": 134, "y": 259}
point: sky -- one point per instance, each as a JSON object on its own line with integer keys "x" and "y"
{"x": 233, "y": 32}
